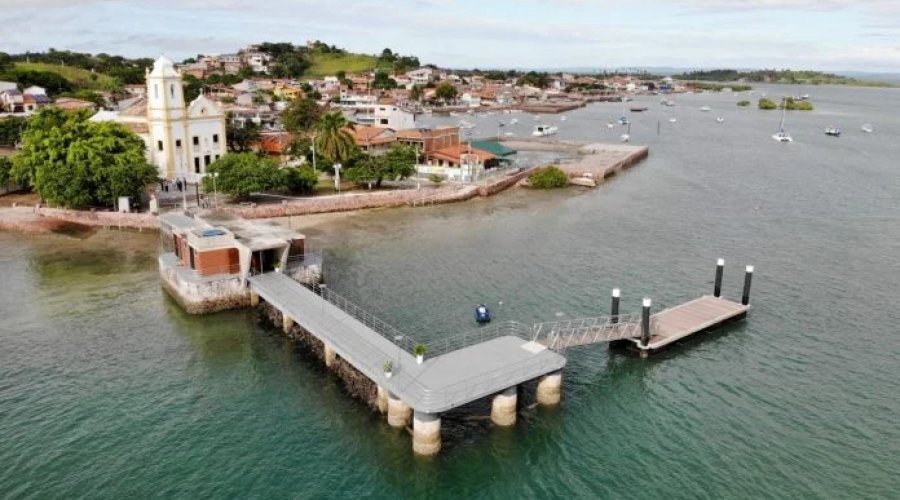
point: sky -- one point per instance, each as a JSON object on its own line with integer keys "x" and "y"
{"x": 857, "y": 35}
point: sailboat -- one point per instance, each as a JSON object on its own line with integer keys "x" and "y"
{"x": 781, "y": 135}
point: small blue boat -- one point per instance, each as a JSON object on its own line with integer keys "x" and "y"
{"x": 482, "y": 314}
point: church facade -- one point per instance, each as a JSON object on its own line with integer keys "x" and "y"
{"x": 182, "y": 140}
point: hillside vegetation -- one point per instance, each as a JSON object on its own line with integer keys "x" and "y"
{"x": 80, "y": 78}
{"x": 779, "y": 76}
{"x": 330, "y": 64}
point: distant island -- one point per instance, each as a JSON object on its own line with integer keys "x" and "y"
{"x": 785, "y": 76}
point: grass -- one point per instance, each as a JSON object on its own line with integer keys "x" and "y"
{"x": 329, "y": 64}
{"x": 79, "y": 77}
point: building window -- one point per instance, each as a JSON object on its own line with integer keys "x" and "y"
{"x": 207, "y": 160}
{"x": 196, "y": 140}
{"x": 384, "y": 121}
{"x": 156, "y": 91}
{"x": 159, "y": 145}
{"x": 216, "y": 138}
{"x": 177, "y": 143}
{"x": 216, "y": 158}
{"x": 172, "y": 90}
{"x": 197, "y": 165}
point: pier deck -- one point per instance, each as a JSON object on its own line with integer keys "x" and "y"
{"x": 440, "y": 383}
{"x": 676, "y": 323}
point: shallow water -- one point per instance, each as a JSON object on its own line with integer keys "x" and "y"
{"x": 108, "y": 390}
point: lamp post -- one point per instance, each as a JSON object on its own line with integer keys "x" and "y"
{"x": 337, "y": 177}
{"x": 312, "y": 147}
{"x": 215, "y": 175}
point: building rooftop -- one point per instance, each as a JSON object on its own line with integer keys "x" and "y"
{"x": 253, "y": 235}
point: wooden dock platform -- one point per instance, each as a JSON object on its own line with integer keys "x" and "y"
{"x": 676, "y": 323}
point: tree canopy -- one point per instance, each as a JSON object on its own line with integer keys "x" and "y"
{"x": 242, "y": 174}
{"x": 445, "y": 91}
{"x": 76, "y": 163}
{"x": 333, "y": 141}
{"x": 383, "y": 81}
{"x": 397, "y": 163}
{"x": 301, "y": 115}
{"x": 241, "y": 138}
{"x": 11, "y": 129}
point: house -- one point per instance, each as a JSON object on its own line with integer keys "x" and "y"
{"x": 421, "y": 76}
{"x": 373, "y": 140}
{"x": 461, "y": 162}
{"x": 206, "y": 261}
{"x": 426, "y": 140}
{"x": 33, "y": 102}
{"x": 287, "y": 91}
{"x": 258, "y": 61}
{"x": 384, "y": 116}
{"x": 35, "y": 90}
{"x": 276, "y": 145}
{"x": 4, "y": 86}
{"x": 12, "y": 101}
{"x": 182, "y": 139}
{"x": 70, "y": 103}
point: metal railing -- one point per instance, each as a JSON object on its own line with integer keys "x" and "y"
{"x": 560, "y": 335}
{"x": 379, "y": 326}
{"x": 479, "y": 335}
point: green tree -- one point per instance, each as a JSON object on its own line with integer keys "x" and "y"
{"x": 192, "y": 87}
{"x": 76, "y": 163}
{"x": 445, "y": 92}
{"x": 87, "y": 95}
{"x": 333, "y": 140}
{"x": 744, "y": 103}
{"x": 301, "y": 115}
{"x": 241, "y": 138}
{"x": 11, "y": 130}
{"x": 549, "y": 178}
{"x": 6, "y": 62}
{"x": 242, "y": 174}
{"x": 300, "y": 180}
{"x": 416, "y": 93}
{"x": 398, "y": 163}
{"x": 5, "y": 168}
{"x": 383, "y": 81}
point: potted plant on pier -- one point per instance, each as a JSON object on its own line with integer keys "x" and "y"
{"x": 419, "y": 351}
{"x": 388, "y": 369}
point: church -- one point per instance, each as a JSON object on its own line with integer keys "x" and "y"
{"x": 182, "y": 140}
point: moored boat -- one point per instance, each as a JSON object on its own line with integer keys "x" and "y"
{"x": 544, "y": 130}
{"x": 832, "y": 131}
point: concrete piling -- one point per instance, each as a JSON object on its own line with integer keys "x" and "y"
{"x": 720, "y": 271}
{"x": 330, "y": 355}
{"x": 381, "y": 400}
{"x": 426, "y": 433}
{"x": 254, "y": 298}
{"x": 745, "y": 298}
{"x": 286, "y": 323}
{"x": 503, "y": 407}
{"x": 614, "y": 308}
{"x": 549, "y": 389}
{"x": 398, "y": 413}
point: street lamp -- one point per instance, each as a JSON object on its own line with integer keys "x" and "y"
{"x": 337, "y": 177}
{"x": 215, "y": 175}
{"x": 312, "y": 147}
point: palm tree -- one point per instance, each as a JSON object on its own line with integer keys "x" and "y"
{"x": 334, "y": 140}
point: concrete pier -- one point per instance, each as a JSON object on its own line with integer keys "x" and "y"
{"x": 503, "y": 407}
{"x": 286, "y": 323}
{"x": 549, "y": 389}
{"x": 254, "y": 298}
{"x": 398, "y": 413}
{"x": 330, "y": 355}
{"x": 426, "y": 433}
{"x": 381, "y": 400}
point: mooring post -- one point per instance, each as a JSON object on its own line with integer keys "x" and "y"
{"x": 720, "y": 270}
{"x": 745, "y": 299}
{"x": 426, "y": 433}
{"x": 645, "y": 323}
{"x": 614, "y": 309}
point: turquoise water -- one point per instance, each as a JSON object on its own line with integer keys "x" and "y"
{"x": 107, "y": 390}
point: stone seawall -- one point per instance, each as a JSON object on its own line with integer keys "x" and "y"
{"x": 101, "y": 219}
{"x": 505, "y": 183}
{"x": 355, "y": 383}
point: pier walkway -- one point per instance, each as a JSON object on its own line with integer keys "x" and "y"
{"x": 445, "y": 381}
